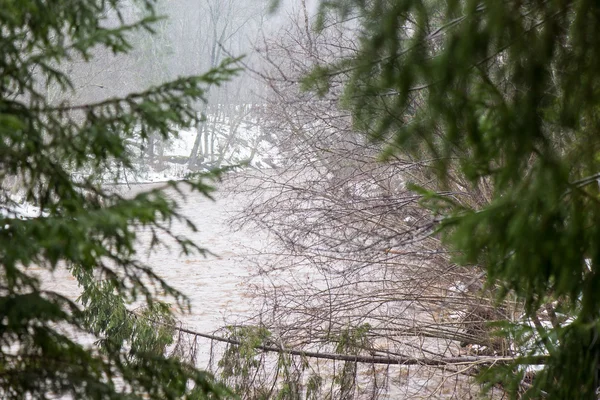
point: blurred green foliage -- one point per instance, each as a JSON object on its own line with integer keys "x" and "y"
{"x": 59, "y": 152}
{"x": 502, "y": 98}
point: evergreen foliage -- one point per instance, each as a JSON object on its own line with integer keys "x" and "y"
{"x": 81, "y": 225}
{"x": 503, "y": 97}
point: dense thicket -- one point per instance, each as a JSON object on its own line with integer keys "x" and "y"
{"x": 53, "y": 154}
{"x": 350, "y": 269}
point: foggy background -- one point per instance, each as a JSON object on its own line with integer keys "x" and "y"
{"x": 194, "y": 36}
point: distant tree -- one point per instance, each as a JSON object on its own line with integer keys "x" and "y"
{"x": 505, "y": 96}
{"x": 57, "y": 152}
{"x": 225, "y": 23}
{"x": 152, "y": 58}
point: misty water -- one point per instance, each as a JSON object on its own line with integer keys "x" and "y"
{"x": 219, "y": 284}
{"x": 215, "y": 283}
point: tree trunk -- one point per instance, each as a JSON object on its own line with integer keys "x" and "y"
{"x": 199, "y": 131}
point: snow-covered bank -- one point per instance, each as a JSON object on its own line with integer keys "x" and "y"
{"x": 230, "y": 139}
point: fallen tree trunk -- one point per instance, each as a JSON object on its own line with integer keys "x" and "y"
{"x": 368, "y": 359}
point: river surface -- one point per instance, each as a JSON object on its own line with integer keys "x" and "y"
{"x": 218, "y": 284}
{"x": 215, "y": 283}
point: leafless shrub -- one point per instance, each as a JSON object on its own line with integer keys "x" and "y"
{"x": 356, "y": 267}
